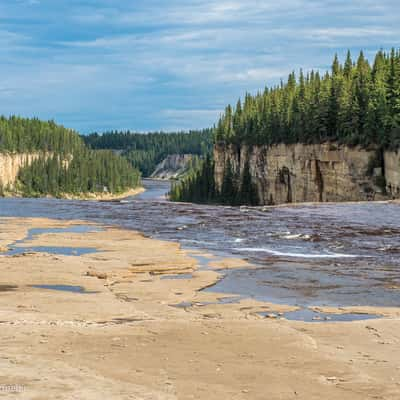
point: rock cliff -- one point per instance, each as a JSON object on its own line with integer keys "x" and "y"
{"x": 313, "y": 173}
{"x": 173, "y": 167}
{"x": 392, "y": 173}
{"x": 10, "y": 165}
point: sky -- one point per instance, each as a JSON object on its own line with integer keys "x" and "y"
{"x": 145, "y": 65}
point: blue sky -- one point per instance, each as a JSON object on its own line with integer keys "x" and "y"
{"x": 151, "y": 64}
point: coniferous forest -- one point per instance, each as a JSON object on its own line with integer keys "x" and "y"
{"x": 23, "y": 135}
{"x": 356, "y": 103}
{"x": 145, "y": 151}
{"x": 64, "y": 164}
{"x": 199, "y": 187}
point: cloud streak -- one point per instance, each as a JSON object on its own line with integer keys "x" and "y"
{"x": 152, "y": 64}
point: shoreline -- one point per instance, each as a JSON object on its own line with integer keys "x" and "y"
{"x": 105, "y": 196}
{"x": 328, "y": 203}
{"x": 136, "y": 332}
{"x": 305, "y": 204}
{"x": 85, "y": 196}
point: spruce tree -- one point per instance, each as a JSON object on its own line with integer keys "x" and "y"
{"x": 247, "y": 194}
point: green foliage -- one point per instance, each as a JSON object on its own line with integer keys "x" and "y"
{"x": 247, "y": 194}
{"x": 64, "y": 164}
{"x": 229, "y": 188}
{"x": 200, "y": 187}
{"x": 22, "y": 135}
{"x": 87, "y": 172}
{"x": 145, "y": 151}
{"x": 355, "y": 104}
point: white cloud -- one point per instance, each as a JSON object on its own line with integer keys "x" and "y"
{"x": 186, "y": 57}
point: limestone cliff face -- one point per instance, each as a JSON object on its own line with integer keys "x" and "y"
{"x": 312, "y": 173}
{"x": 10, "y": 165}
{"x": 392, "y": 173}
{"x": 173, "y": 166}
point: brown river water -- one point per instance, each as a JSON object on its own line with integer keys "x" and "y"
{"x": 312, "y": 255}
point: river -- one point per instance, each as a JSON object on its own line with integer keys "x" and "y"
{"x": 328, "y": 254}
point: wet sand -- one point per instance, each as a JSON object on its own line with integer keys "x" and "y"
{"x": 123, "y": 337}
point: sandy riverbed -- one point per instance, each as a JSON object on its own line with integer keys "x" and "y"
{"x": 124, "y": 340}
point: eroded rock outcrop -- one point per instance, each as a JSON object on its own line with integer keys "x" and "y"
{"x": 173, "y": 167}
{"x": 11, "y": 164}
{"x": 313, "y": 173}
{"x": 392, "y": 172}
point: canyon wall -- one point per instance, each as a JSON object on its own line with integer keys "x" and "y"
{"x": 392, "y": 173}
{"x": 173, "y": 167}
{"x": 324, "y": 172}
{"x": 10, "y": 165}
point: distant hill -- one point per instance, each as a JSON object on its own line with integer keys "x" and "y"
{"x": 146, "y": 151}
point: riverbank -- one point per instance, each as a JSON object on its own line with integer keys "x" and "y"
{"x": 100, "y": 196}
{"x": 328, "y": 203}
{"x": 135, "y": 331}
{"x": 104, "y": 196}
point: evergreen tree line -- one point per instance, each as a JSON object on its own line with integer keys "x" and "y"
{"x": 23, "y": 135}
{"x": 86, "y": 172}
{"x": 65, "y": 165}
{"x": 355, "y": 104}
{"x": 200, "y": 187}
{"x": 145, "y": 151}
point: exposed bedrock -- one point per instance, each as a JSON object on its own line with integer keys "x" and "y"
{"x": 325, "y": 172}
